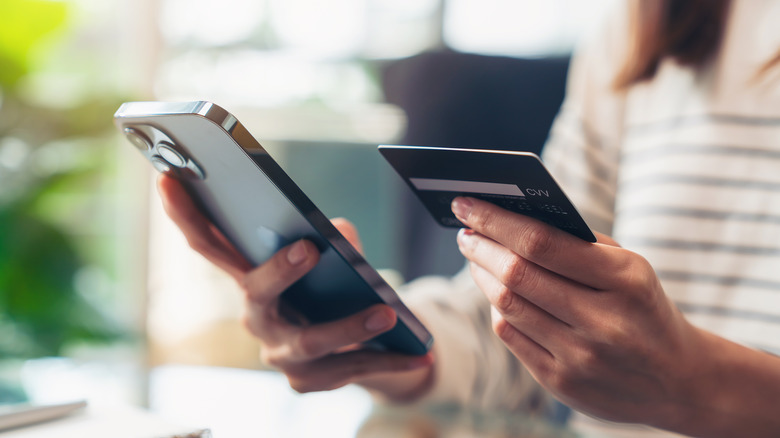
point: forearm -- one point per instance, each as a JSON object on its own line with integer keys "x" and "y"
{"x": 737, "y": 393}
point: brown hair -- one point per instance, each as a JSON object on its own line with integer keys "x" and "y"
{"x": 687, "y": 31}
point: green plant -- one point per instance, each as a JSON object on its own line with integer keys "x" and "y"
{"x": 52, "y": 162}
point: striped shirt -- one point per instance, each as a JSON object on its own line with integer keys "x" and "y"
{"x": 683, "y": 169}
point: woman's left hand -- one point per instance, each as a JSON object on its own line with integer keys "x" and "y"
{"x": 589, "y": 321}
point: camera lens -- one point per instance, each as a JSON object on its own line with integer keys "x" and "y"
{"x": 138, "y": 139}
{"x": 171, "y": 155}
{"x": 161, "y": 165}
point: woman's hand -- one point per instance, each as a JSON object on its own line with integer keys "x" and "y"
{"x": 313, "y": 357}
{"x": 590, "y": 321}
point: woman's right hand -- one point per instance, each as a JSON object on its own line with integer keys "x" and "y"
{"x": 314, "y": 357}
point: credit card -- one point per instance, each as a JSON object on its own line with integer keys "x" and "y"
{"x": 515, "y": 181}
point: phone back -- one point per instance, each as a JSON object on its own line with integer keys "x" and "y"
{"x": 260, "y": 209}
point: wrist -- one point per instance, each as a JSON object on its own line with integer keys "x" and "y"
{"x": 730, "y": 390}
{"x": 401, "y": 387}
{"x": 701, "y": 388}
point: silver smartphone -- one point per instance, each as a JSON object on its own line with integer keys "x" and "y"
{"x": 259, "y": 208}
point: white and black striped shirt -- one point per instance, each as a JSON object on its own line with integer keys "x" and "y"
{"x": 683, "y": 169}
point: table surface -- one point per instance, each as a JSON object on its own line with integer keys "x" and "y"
{"x": 235, "y": 403}
{"x": 103, "y": 421}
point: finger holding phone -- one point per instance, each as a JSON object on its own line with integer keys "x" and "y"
{"x": 313, "y": 357}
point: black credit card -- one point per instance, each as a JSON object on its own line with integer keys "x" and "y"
{"x": 515, "y": 181}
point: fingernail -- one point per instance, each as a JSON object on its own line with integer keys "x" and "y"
{"x": 462, "y": 207}
{"x": 297, "y": 253}
{"x": 378, "y": 321}
{"x": 464, "y": 235}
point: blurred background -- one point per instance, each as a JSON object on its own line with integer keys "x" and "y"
{"x": 97, "y": 286}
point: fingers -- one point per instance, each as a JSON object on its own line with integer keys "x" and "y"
{"x": 594, "y": 265}
{"x": 539, "y": 326}
{"x": 265, "y": 283}
{"x": 327, "y": 356}
{"x": 323, "y": 339}
{"x": 513, "y": 276}
{"x": 348, "y": 230}
{"x": 304, "y": 344}
{"x": 314, "y": 357}
{"x": 606, "y": 240}
{"x": 537, "y": 359}
{"x": 337, "y": 370}
{"x": 199, "y": 232}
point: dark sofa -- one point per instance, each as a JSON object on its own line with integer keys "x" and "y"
{"x": 467, "y": 100}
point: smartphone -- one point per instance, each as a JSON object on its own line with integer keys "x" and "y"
{"x": 259, "y": 209}
{"x": 515, "y": 181}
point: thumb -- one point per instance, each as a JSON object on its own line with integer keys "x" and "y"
{"x": 603, "y": 238}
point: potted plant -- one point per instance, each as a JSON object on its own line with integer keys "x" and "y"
{"x": 47, "y": 154}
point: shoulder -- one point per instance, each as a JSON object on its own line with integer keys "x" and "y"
{"x": 602, "y": 49}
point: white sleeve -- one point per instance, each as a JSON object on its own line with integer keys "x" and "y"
{"x": 583, "y": 148}
{"x": 472, "y": 366}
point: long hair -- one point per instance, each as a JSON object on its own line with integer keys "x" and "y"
{"x": 688, "y": 31}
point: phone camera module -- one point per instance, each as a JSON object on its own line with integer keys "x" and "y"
{"x": 138, "y": 139}
{"x": 161, "y": 165}
{"x": 171, "y": 155}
